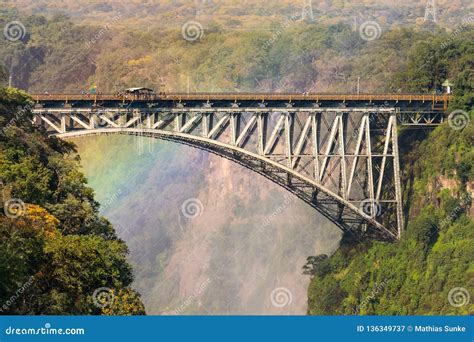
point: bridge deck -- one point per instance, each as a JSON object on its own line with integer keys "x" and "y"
{"x": 416, "y": 110}
{"x": 248, "y": 97}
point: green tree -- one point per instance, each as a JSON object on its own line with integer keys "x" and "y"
{"x": 56, "y": 251}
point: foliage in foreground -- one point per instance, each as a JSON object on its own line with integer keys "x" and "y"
{"x": 57, "y": 255}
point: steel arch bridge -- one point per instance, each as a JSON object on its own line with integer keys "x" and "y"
{"x": 341, "y": 158}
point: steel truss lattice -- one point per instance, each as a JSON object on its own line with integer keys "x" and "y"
{"x": 342, "y": 161}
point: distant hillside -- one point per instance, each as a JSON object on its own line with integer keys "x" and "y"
{"x": 56, "y": 54}
{"x": 241, "y": 14}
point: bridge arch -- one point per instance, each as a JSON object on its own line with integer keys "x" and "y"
{"x": 338, "y": 210}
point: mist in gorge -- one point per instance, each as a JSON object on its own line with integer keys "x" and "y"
{"x": 206, "y": 236}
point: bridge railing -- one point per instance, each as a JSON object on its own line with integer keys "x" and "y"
{"x": 246, "y": 97}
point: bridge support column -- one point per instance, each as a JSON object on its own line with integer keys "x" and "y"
{"x": 122, "y": 120}
{"x": 205, "y": 124}
{"x": 342, "y": 153}
{"x": 370, "y": 168}
{"x": 396, "y": 171}
{"x": 233, "y": 129}
{"x": 314, "y": 134}
{"x": 260, "y": 127}
{"x": 150, "y": 120}
{"x": 92, "y": 121}
{"x": 288, "y": 137}
{"x": 63, "y": 122}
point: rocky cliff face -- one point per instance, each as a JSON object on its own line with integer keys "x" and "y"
{"x": 206, "y": 236}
